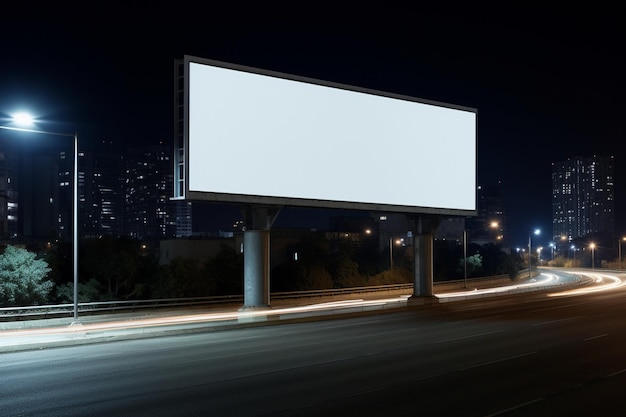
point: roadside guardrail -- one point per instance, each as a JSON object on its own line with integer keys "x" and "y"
{"x": 102, "y": 307}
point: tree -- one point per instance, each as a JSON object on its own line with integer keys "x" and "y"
{"x": 224, "y": 272}
{"x": 474, "y": 265}
{"x": 181, "y": 278}
{"x": 23, "y": 278}
{"x": 114, "y": 264}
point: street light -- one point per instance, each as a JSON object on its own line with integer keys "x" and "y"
{"x": 23, "y": 119}
{"x": 493, "y": 225}
{"x": 619, "y": 247}
{"x": 593, "y": 253}
{"x": 530, "y": 252}
{"x": 391, "y": 243}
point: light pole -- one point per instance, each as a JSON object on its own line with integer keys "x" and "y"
{"x": 464, "y": 258}
{"x": 493, "y": 225}
{"x": 530, "y": 252}
{"x": 593, "y": 255}
{"x": 74, "y": 200}
{"x": 619, "y": 250}
{"x": 391, "y": 253}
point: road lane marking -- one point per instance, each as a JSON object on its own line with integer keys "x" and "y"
{"x": 506, "y": 410}
{"x": 498, "y": 361}
{"x": 466, "y": 337}
{"x": 556, "y": 321}
{"x": 615, "y": 373}
{"x": 595, "y": 337}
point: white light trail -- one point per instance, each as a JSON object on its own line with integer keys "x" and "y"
{"x": 602, "y": 282}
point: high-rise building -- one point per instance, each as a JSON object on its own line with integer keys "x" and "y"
{"x": 583, "y": 197}
{"x": 183, "y": 218}
{"x": 150, "y": 212}
{"x": 9, "y": 181}
{"x": 100, "y": 194}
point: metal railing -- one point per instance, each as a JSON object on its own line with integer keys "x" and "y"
{"x": 101, "y": 307}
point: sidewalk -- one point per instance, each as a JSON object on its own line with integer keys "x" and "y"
{"x": 38, "y": 334}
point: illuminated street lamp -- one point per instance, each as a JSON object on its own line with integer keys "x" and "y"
{"x": 391, "y": 243}
{"x": 619, "y": 255}
{"x": 493, "y": 225}
{"x": 26, "y": 120}
{"x": 530, "y": 252}
{"x": 593, "y": 253}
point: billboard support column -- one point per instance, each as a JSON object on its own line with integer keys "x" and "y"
{"x": 256, "y": 257}
{"x": 423, "y": 273}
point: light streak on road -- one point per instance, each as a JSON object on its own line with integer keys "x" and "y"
{"x": 601, "y": 282}
{"x": 206, "y": 317}
{"x": 544, "y": 279}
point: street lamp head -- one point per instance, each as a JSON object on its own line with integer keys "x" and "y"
{"x": 537, "y": 231}
{"x": 23, "y": 119}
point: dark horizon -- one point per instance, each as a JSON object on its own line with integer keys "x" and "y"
{"x": 547, "y": 84}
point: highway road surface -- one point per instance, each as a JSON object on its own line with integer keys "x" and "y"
{"x": 557, "y": 352}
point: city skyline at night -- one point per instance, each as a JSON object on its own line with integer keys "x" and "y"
{"x": 546, "y": 85}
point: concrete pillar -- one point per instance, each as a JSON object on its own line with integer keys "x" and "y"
{"x": 256, "y": 269}
{"x": 423, "y": 265}
{"x": 256, "y": 256}
{"x": 423, "y": 273}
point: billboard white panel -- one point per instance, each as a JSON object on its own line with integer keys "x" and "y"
{"x": 260, "y": 136}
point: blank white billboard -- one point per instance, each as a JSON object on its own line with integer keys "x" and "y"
{"x": 256, "y": 136}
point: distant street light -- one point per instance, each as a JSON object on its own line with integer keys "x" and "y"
{"x": 493, "y": 225}
{"x": 25, "y": 119}
{"x": 593, "y": 253}
{"x": 619, "y": 247}
{"x": 530, "y": 252}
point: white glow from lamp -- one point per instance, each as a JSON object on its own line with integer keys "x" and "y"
{"x": 23, "y": 119}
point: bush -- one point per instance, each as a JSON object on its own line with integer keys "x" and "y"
{"x": 23, "y": 278}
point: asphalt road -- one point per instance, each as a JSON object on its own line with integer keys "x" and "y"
{"x": 522, "y": 355}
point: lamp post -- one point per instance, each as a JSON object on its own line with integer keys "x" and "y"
{"x": 493, "y": 225}
{"x": 391, "y": 253}
{"x": 619, "y": 250}
{"x": 464, "y": 258}
{"x": 593, "y": 255}
{"x": 74, "y": 200}
{"x": 530, "y": 252}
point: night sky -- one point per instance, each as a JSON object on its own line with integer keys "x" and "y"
{"x": 547, "y": 83}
